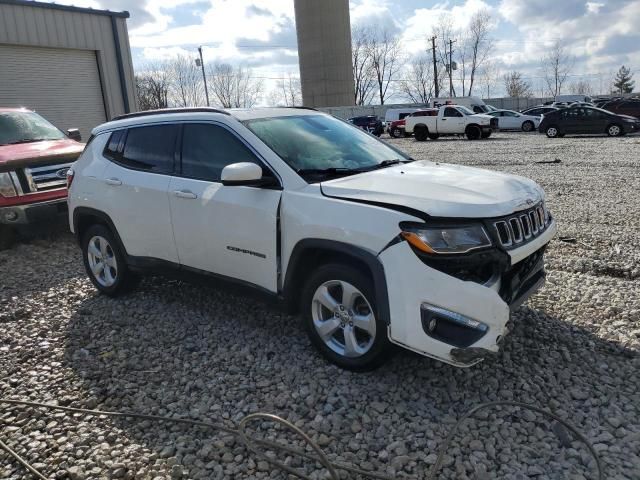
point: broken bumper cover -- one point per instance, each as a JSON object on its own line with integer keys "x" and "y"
{"x": 455, "y": 321}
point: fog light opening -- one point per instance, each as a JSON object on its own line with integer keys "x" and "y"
{"x": 11, "y": 216}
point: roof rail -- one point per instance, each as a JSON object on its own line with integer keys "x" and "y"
{"x": 305, "y": 108}
{"x": 162, "y": 111}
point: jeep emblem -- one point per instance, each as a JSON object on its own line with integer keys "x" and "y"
{"x": 62, "y": 173}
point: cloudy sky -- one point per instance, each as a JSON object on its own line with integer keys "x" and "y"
{"x": 600, "y": 34}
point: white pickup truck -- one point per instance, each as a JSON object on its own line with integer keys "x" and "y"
{"x": 450, "y": 120}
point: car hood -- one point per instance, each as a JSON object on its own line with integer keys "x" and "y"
{"x": 483, "y": 116}
{"x": 31, "y": 154}
{"x": 439, "y": 190}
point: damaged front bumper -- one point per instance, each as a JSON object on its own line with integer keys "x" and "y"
{"x": 455, "y": 320}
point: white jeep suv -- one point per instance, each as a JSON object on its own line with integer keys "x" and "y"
{"x": 371, "y": 247}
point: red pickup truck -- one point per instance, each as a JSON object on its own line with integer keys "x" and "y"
{"x": 34, "y": 159}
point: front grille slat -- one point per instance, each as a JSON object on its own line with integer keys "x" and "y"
{"x": 48, "y": 177}
{"x": 522, "y": 227}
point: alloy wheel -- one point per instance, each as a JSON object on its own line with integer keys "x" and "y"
{"x": 614, "y": 130}
{"x": 552, "y": 132}
{"x": 343, "y": 318}
{"x": 102, "y": 261}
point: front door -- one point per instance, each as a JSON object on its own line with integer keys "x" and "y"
{"x": 226, "y": 230}
{"x": 452, "y": 121}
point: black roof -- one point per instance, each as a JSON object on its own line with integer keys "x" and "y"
{"x": 66, "y": 8}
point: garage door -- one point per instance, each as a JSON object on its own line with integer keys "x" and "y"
{"x": 62, "y": 85}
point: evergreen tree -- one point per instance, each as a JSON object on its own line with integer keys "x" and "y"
{"x": 623, "y": 82}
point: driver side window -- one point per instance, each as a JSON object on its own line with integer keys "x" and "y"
{"x": 451, "y": 112}
{"x": 207, "y": 149}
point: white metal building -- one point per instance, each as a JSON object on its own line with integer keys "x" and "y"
{"x": 72, "y": 65}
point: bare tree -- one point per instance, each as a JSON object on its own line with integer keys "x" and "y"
{"x": 186, "y": 86}
{"x": 363, "y": 74}
{"x": 443, "y": 31}
{"x": 152, "y": 86}
{"x": 477, "y": 44}
{"x": 488, "y": 78}
{"x": 581, "y": 87}
{"x": 386, "y": 59}
{"x": 287, "y": 93}
{"x": 515, "y": 85}
{"x": 418, "y": 85}
{"x": 234, "y": 87}
{"x": 556, "y": 65}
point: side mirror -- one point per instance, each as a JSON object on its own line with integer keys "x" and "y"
{"x": 245, "y": 174}
{"x": 74, "y": 134}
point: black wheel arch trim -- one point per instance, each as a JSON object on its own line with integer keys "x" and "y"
{"x": 305, "y": 246}
{"x": 80, "y": 212}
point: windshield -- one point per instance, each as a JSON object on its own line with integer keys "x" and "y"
{"x": 465, "y": 110}
{"x": 26, "y": 127}
{"x": 320, "y": 142}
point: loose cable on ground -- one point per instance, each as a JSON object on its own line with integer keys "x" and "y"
{"x": 320, "y": 457}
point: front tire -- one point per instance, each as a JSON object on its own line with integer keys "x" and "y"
{"x": 105, "y": 262}
{"x": 486, "y": 134}
{"x": 552, "y": 131}
{"x": 7, "y": 237}
{"x": 434, "y": 136}
{"x": 395, "y": 133}
{"x": 614, "y": 130}
{"x": 528, "y": 126}
{"x": 340, "y": 315}
{"x": 473, "y": 132}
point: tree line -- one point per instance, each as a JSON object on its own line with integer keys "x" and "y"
{"x": 452, "y": 63}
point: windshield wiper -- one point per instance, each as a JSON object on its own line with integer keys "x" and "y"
{"x": 326, "y": 171}
{"x": 24, "y": 140}
{"x": 385, "y": 163}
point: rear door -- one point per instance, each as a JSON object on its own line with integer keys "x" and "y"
{"x": 226, "y": 230}
{"x": 136, "y": 183}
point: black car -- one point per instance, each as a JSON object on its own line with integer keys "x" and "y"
{"x": 585, "y": 120}
{"x": 539, "y": 110}
{"x": 623, "y": 106}
{"x": 370, "y": 123}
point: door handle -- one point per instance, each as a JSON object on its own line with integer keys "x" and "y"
{"x": 185, "y": 194}
{"x": 113, "y": 181}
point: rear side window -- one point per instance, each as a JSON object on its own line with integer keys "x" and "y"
{"x": 150, "y": 148}
{"x": 114, "y": 145}
{"x": 207, "y": 149}
{"x": 451, "y": 112}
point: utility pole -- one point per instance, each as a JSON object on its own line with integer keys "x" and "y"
{"x": 204, "y": 77}
{"x": 435, "y": 67}
{"x": 450, "y": 68}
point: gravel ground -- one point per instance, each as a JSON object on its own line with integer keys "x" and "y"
{"x": 178, "y": 349}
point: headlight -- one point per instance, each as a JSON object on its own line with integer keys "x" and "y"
{"x": 7, "y": 189}
{"x": 445, "y": 240}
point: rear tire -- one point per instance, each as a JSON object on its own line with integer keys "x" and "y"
{"x": 528, "y": 126}
{"x": 434, "y": 136}
{"x": 340, "y": 315}
{"x": 473, "y": 132}
{"x": 614, "y": 130}
{"x": 421, "y": 133}
{"x": 105, "y": 263}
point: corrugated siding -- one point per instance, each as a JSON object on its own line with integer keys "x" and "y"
{"x": 62, "y": 85}
{"x": 41, "y": 27}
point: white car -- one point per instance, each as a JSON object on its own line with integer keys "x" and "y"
{"x": 510, "y": 120}
{"x": 369, "y": 246}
